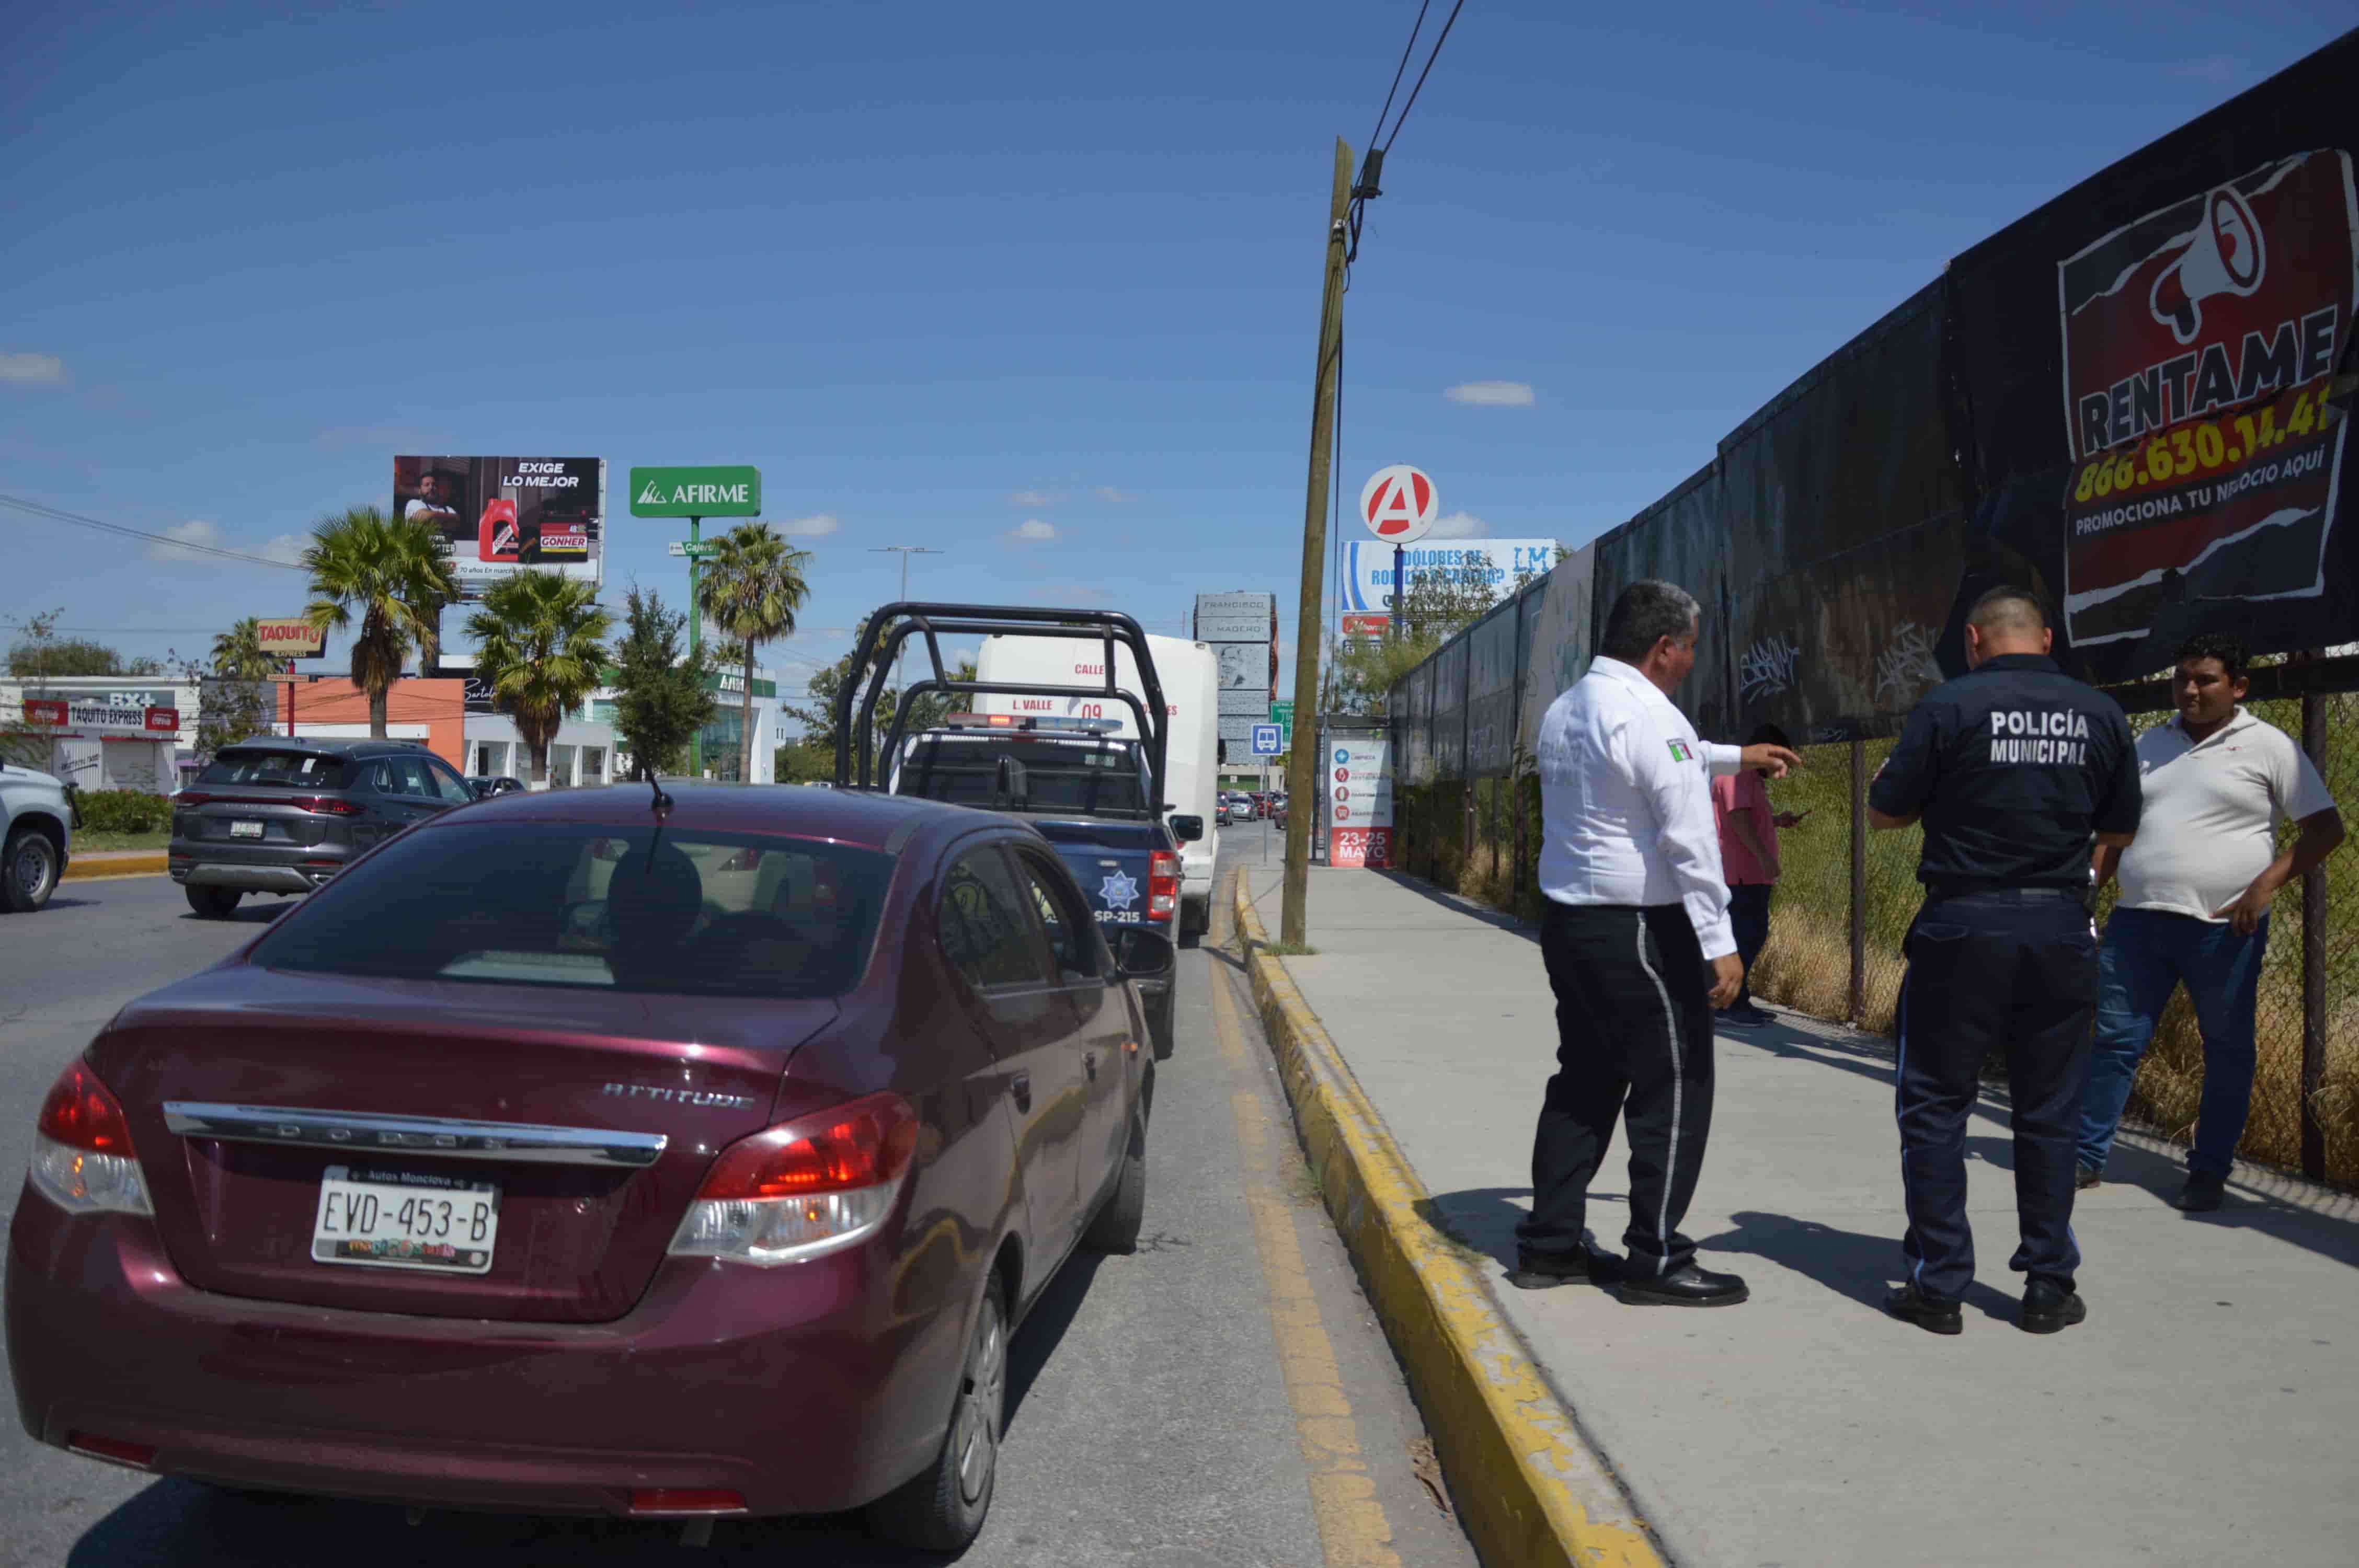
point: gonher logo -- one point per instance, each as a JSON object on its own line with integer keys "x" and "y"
{"x": 1399, "y": 503}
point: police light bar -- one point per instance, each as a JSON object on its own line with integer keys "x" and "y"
{"x": 1011, "y": 721}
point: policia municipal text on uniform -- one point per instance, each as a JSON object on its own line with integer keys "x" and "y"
{"x": 2015, "y": 770}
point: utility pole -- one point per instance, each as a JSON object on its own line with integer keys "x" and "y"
{"x": 905, "y": 552}
{"x": 1303, "y": 770}
{"x": 695, "y": 637}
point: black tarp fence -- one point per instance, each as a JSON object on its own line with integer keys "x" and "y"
{"x": 2137, "y": 400}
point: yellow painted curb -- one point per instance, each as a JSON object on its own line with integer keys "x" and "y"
{"x": 128, "y": 866}
{"x": 1528, "y": 1488}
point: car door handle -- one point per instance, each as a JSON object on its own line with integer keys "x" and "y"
{"x": 1021, "y": 1087}
{"x": 1090, "y": 1062}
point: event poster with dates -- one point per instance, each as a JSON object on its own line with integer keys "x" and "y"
{"x": 2200, "y": 341}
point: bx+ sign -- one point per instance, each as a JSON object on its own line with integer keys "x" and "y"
{"x": 1269, "y": 740}
{"x": 726, "y": 490}
{"x": 1398, "y": 504}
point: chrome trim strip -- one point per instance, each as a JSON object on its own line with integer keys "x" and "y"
{"x": 448, "y": 1138}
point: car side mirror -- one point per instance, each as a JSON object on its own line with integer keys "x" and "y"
{"x": 1142, "y": 955}
{"x": 1187, "y": 829}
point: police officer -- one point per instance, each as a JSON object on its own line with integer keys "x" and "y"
{"x": 2015, "y": 769}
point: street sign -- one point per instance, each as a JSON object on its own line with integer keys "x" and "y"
{"x": 1398, "y": 504}
{"x": 702, "y": 550}
{"x": 1269, "y": 740}
{"x": 723, "y": 491}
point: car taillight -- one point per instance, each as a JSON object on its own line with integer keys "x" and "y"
{"x": 1162, "y": 885}
{"x": 805, "y": 1187}
{"x": 81, "y": 1148}
{"x": 332, "y": 806}
{"x": 189, "y": 798}
{"x": 672, "y": 1501}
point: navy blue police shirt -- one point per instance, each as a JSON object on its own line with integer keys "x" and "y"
{"x": 2015, "y": 765}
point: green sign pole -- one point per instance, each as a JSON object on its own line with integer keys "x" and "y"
{"x": 695, "y": 639}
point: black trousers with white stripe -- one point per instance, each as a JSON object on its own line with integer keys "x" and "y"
{"x": 1633, "y": 1043}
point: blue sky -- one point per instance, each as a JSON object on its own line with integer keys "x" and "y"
{"x": 1033, "y": 284}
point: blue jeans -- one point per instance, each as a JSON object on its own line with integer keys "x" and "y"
{"x": 1748, "y": 920}
{"x": 2146, "y": 955}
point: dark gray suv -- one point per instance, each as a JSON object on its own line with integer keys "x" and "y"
{"x": 284, "y": 816}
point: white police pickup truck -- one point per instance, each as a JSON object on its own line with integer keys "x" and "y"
{"x": 35, "y": 836}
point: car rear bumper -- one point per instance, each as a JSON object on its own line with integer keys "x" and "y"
{"x": 786, "y": 1386}
{"x": 292, "y": 868}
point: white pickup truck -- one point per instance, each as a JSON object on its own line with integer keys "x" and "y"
{"x": 35, "y": 834}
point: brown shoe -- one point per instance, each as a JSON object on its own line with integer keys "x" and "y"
{"x": 2088, "y": 1176}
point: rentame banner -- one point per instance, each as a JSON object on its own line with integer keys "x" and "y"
{"x": 500, "y": 515}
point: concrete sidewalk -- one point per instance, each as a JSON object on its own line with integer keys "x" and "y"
{"x": 2205, "y": 1413}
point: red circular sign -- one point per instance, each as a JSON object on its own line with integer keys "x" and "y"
{"x": 1399, "y": 504}
{"x": 1342, "y": 773}
{"x": 1342, "y": 812}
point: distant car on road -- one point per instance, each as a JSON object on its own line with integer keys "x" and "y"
{"x": 283, "y": 817}
{"x": 589, "y": 1154}
{"x": 487, "y": 785}
{"x": 36, "y": 820}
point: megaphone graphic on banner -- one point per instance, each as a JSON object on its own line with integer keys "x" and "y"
{"x": 2226, "y": 255}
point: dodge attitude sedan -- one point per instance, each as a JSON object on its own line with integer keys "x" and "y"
{"x": 696, "y": 1162}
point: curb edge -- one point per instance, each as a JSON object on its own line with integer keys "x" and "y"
{"x": 1528, "y": 1488}
{"x": 128, "y": 866}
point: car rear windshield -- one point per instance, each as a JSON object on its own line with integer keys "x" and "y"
{"x": 312, "y": 769}
{"x": 1096, "y": 779}
{"x": 628, "y": 909}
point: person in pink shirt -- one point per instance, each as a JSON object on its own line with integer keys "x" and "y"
{"x": 1748, "y": 859}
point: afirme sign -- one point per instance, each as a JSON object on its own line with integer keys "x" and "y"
{"x": 291, "y": 637}
{"x": 725, "y": 491}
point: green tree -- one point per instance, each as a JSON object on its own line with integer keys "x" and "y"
{"x": 238, "y": 652}
{"x": 41, "y": 653}
{"x": 539, "y": 644}
{"x": 661, "y": 698}
{"x": 752, "y": 588}
{"x": 1436, "y": 606}
{"x": 826, "y": 684}
{"x": 396, "y": 575}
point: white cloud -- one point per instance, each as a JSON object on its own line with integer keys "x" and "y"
{"x": 286, "y": 548}
{"x": 1492, "y": 394}
{"x": 1036, "y": 498}
{"x": 1108, "y": 492}
{"x": 1459, "y": 526}
{"x": 196, "y": 531}
{"x": 32, "y": 370}
{"x": 816, "y": 525}
{"x": 1031, "y": 531}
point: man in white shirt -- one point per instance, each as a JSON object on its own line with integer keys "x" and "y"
{"x": 1639, "y": 951}
{"x": 2194, "y": 906}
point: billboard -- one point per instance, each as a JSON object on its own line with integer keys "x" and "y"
{"x": 1503, "y": 563}
{"x": 1237, "y": 618}
{"x": 291, "y": 637}
{"x": 502, "y": 516}
{"x": 1355, "y": 798}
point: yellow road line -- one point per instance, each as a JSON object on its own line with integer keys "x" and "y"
{"x": 1353, "y": 1528}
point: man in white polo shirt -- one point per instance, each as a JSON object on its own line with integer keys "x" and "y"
{"x": 1639, "y": 951}
{"x": 2194, "y": 906}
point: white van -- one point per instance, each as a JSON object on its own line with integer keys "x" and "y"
{"x": 1190, "y": 681}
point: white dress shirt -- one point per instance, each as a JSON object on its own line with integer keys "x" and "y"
{"x": 1625, "y": 802}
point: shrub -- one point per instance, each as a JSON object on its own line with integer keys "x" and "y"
{"x": 124, "y": 811}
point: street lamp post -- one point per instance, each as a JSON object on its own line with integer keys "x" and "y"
{"x": 905, "y": 552}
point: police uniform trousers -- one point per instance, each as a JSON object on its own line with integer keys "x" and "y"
{"x": 2011, "y": 972}
{"x": 1633, "y": 1043}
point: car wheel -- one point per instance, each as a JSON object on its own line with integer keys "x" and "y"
{"x": 942, "y": 1508}
{"x": 213, "y": 904}
{"x": 1117, "y": 1227}
{"x": 28, "y": 871}
{"x": 1160, "y": 1023}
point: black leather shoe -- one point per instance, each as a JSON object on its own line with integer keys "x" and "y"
{"x": 1686, "y": 1285}
{"x": 2049, "y": 1308}
{"x": 1545, "y": 1270}
{"x": 1910, "y": 1305}
{"x": 2204, "y": 1192}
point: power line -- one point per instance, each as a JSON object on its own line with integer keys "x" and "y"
{"x": 1441, "y": 39}
{"x": 19, "y": 504}
{"x": 1400, "y": 71}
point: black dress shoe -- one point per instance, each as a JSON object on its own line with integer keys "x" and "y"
{"x": 1544, "y": 1270}
{"x": 2049, "y": 1307}
{"x": 1686, "y": 1285}
{"x": 1910, "y": 1305}
{"x": 2204, "y": 1192}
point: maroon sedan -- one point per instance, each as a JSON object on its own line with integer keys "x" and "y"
{"x": 576, "y": 1153}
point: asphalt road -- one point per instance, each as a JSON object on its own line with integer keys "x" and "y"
{"x": 1155, "y": 1422}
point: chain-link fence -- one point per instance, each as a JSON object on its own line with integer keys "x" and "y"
{"x": 1482, "y": 838}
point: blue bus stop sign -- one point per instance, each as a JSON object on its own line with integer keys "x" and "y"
{"x": 1268, "y": 739}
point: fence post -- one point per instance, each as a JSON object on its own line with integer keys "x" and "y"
{"x": 2313, "y": 964}
{"x": 1858, "y": 882}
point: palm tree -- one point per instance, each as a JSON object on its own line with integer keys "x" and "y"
{"x": 540, "y": 645}
{"x": 238, "y": 653}
{"x": 751, "y": 588}
{"x": 396, "y": 574}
